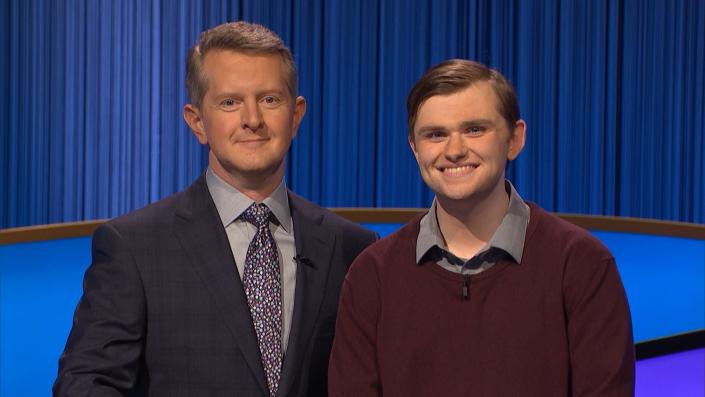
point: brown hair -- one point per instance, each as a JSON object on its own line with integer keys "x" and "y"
{"x": 455, "y": 75}
{"x": 240, "y": 36}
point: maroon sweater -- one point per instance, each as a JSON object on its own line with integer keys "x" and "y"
{"x": 557, "y": 324}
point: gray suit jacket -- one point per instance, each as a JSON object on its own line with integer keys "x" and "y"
{"x": 164, "y": 313}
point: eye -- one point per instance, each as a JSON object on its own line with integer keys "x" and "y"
{"x": 476, "y": 130}
{"x": 271, "y": 100}
{"x": 434, "y": 135}
{"x": 228, "y": 104}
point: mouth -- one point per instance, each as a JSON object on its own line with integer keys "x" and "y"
{"x": 458, "y": 171}
{"x": 252, "y": 141}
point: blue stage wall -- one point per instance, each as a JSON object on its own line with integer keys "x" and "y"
{"x": 613, "y": 92}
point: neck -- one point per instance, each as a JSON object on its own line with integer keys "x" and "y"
{"x": 468, "y": 225}
{"x": 256, "y": 186}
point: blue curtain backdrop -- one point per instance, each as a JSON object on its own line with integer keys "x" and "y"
{"x": 613, "y": 92}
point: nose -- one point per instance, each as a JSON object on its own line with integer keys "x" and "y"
{"x": 250, "y": 116}
{"x": 455, "y": 148}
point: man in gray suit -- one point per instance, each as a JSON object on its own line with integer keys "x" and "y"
{"x": 231, "y": 286}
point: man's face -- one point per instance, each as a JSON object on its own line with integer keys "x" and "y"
{"x": 247, "y": 117}
{"x": 462, "y": 144}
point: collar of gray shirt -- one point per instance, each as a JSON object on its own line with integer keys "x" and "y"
{"x": 231, "y": 203}
{"x": 509, "y": 236}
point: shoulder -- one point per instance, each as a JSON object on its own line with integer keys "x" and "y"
{"x": 393, "y": 252}
{"x": 572, "y": 256}
{"x": 154, "y": 215}
{"x": 563, "y": 238}
{"x": 401, "y": 241}
{"x": 330, "y": 220}
{"x": 158, "y": 218}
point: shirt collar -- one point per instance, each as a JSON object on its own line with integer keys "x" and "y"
{"x": 231, "y": 203}
{"x": 508, "y": 237}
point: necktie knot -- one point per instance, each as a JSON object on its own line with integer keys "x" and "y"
{"x": 257, "y": 214}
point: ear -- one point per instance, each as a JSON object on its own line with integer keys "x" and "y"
{"x": 412, "y": 145}
{"x": 192, "y": 116}
{"x": 517, "y": 140}
{"x": 299, "y": 112}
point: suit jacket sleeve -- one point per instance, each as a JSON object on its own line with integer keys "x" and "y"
{"x": 104, "y": 349}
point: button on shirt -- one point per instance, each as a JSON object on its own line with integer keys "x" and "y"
{"x": 507, "y": 240}
{"x": 230, "y": 204}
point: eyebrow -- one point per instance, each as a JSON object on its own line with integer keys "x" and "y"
{"x": 483, "y": 122}
{"x": 463, "y": 125}
{"x": 228, "y": 94}
{"x": 429, "y": 128}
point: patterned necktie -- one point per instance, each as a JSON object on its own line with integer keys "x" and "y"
{"x": 263, "y": 290}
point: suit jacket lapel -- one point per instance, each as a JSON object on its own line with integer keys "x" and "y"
{"x": 203, "y": 237}
{"x": 314, "y": 248}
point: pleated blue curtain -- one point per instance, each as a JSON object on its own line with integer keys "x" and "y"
{"x": 613, "y": 93}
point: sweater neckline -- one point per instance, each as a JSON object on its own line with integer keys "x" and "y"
{"x": 500, "y": 266}
{"x": 454, "y": 276}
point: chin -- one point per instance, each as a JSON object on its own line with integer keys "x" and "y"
{"x": 457, "y": 197}
{"x": 260, "y": 168}
{"x": 465, "y": 193}
{"x": 454, "y": 192}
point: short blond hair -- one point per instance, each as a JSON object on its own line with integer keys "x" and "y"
{"x": 245, "y": 37}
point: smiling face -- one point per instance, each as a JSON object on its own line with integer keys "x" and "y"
{"x": 247, "y": 118}
{"x": 462, "y": 144}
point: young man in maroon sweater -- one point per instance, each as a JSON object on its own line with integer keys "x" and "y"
{"x": 484, "y": 295}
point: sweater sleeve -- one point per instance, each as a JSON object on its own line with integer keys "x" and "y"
{"x": 599, "y": 328}
{"x": 353, "y": 369}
